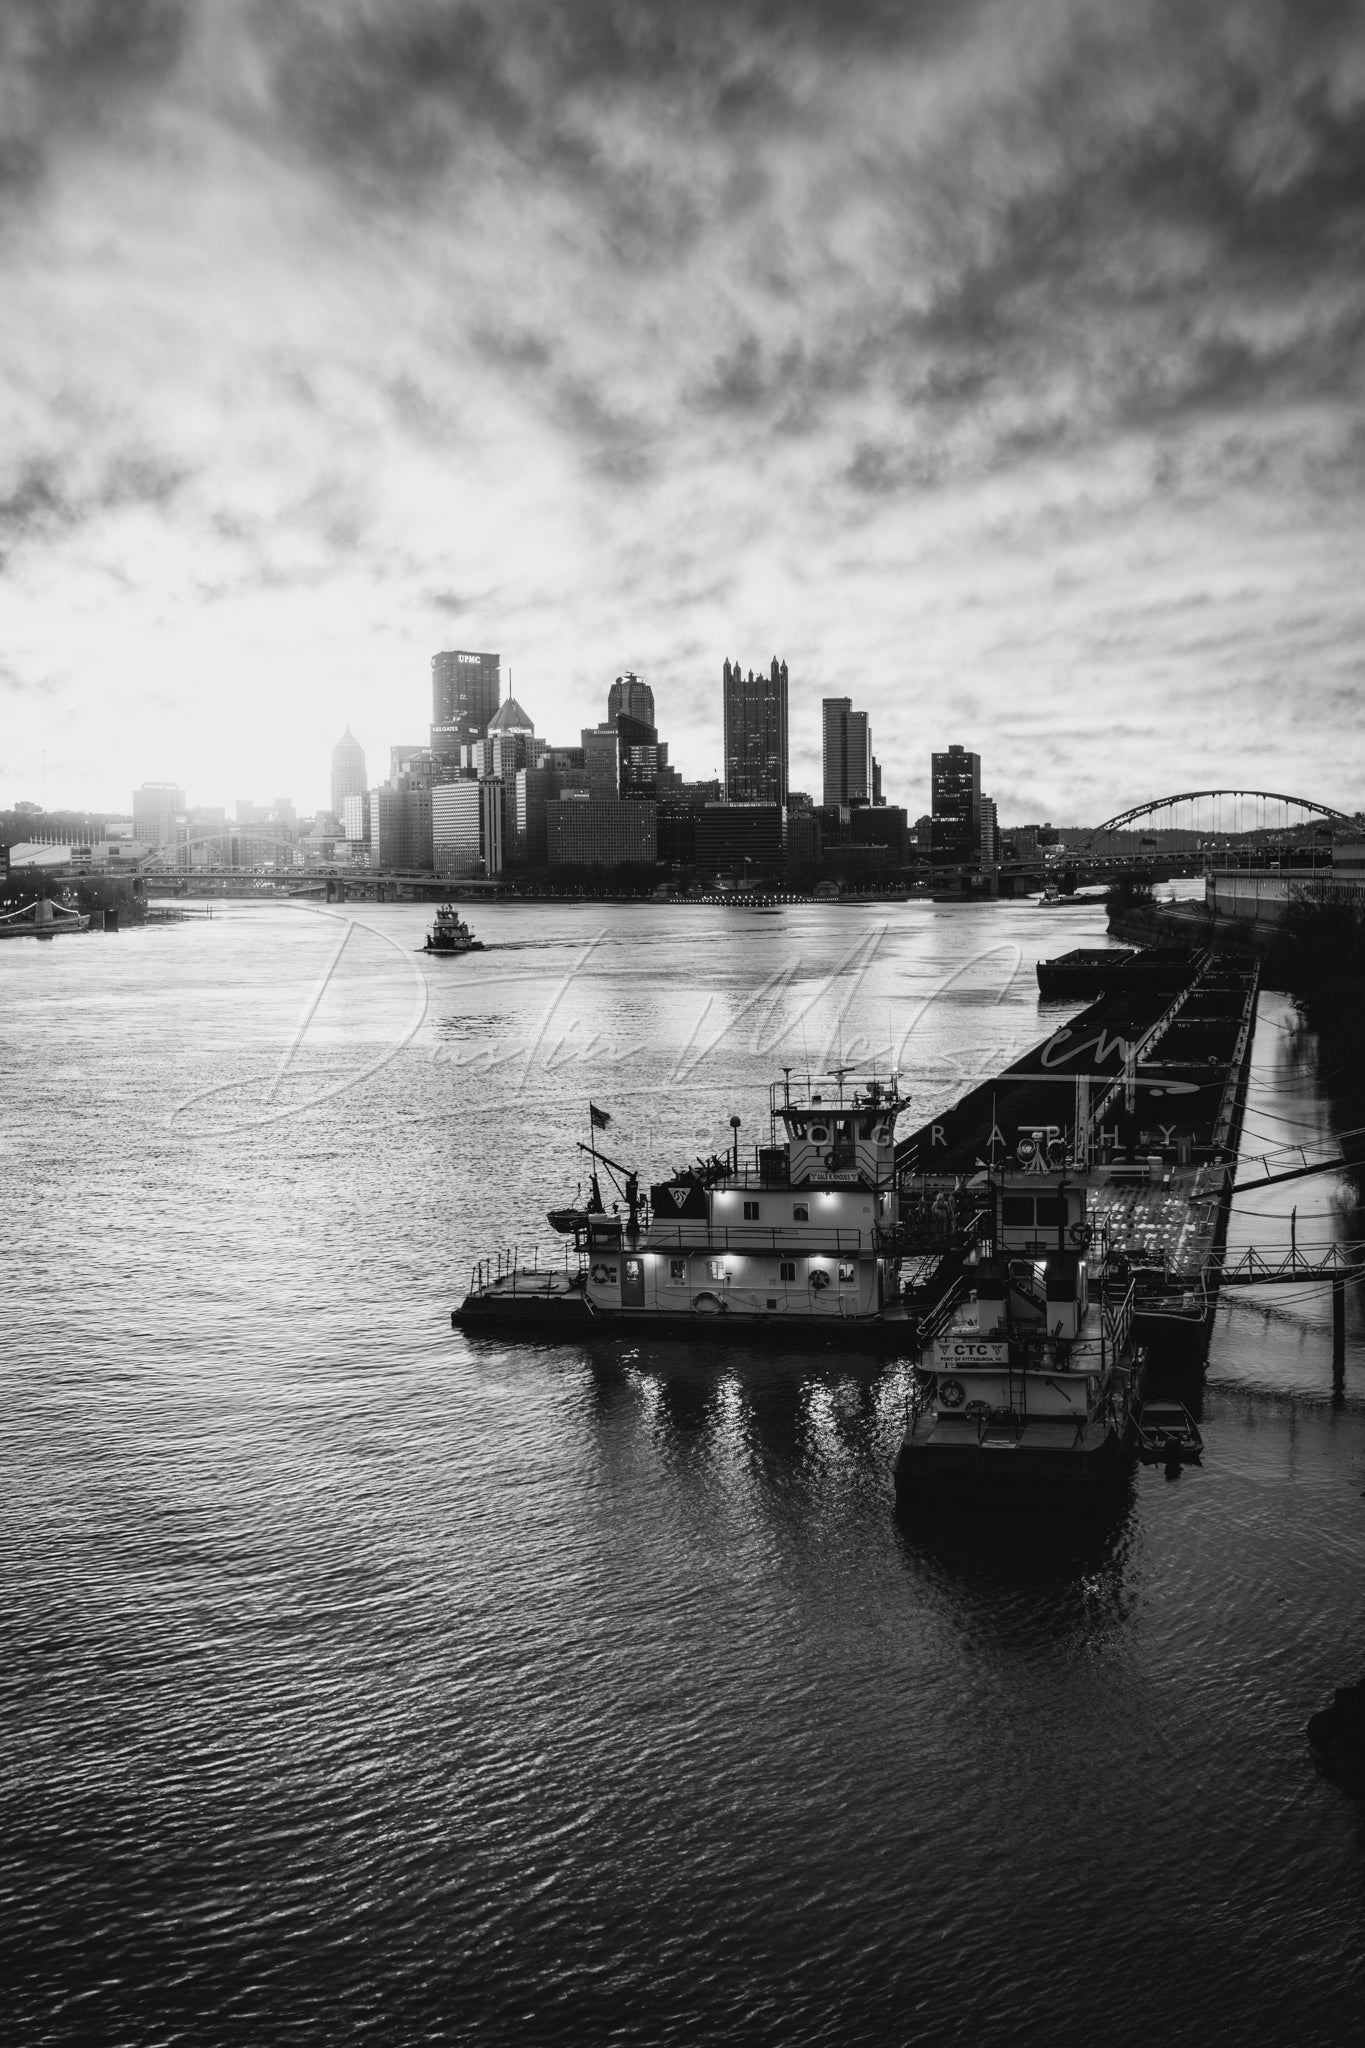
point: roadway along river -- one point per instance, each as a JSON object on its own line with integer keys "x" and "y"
{"x": 365, "y": 1682}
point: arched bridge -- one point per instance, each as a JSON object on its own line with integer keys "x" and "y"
{"x": 1238, "y": 799}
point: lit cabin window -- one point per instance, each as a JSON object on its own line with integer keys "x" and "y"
{"x": 717, "y": 1269}
{"x": 848, "y": 1272}
{"x": 800, "y": 1212}
{"x": 677, "y": 1269}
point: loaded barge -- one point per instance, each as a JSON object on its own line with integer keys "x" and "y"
{"x": 1039, "y": 1249}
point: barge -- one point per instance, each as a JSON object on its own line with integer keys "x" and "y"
{"x": 1090, "y": 971}
{"x": 1110, "y": 1145}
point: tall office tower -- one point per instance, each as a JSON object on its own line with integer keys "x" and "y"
{"x": 457, "y": 810}
{"x": 755, "y": 735}
{"x": 400, "y": 825}
{"x": 847, "y": 753}
{"x": 630, "y": 693}
{"x": 348, "y": 771}
{"x": 355, "y": 816}
{"x": 156, "y": 806}
{"x": 957, "y": 808}
{"x": 990, "y": 833}
{"x": 511, "y": 743}
{"x": 466, "y": 690}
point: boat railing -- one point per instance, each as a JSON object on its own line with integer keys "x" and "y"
{"x": 751, "y": 1237}
{"x": 1118, "y": 1319}
{"x": 514, "y": 1262}
{"x": 941, "y": 1314}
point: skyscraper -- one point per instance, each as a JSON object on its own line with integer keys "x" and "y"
{"x": 156, "y": 806}
{"x": 755, "y": 735}
{"x": 990, "y": 833}
{"x": 847, "y": 753}
{"x": 466, "y": 690}
{"x": 630, "y": 693}
{"x": 348, "y": 771}
{"x": 957, "y": 808}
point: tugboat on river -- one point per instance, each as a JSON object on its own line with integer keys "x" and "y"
{"x": 450, "y": 933}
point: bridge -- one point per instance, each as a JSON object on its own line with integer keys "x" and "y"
{"x": 1231, "y": 813}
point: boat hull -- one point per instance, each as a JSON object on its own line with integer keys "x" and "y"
{"x": 940, "y": 1473}
{"x": 571, "y": 1315}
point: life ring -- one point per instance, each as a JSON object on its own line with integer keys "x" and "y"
{"x": 600, "y": 1273}
{"x": 1080, "y": 1234}
{"x": 819, "y": 1278}
{"x": 829, "y": 1159}
{"x": 708, "y": 1303}
{"x": 951, "y": 1393}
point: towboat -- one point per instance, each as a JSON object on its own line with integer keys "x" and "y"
{"x": 1029, "y": 1369}
{"x": 811, "y": 1237}
{"x": 450, "y": 933}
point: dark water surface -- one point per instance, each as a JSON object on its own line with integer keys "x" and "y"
{"x": 362, "y": 1681}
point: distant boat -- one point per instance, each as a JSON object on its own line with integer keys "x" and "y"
{"x": 450, "y": 933}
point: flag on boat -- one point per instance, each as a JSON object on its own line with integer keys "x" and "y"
{"x": 600, "y": 1119}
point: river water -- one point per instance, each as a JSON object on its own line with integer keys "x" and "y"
{"x": 362, "y": 1681}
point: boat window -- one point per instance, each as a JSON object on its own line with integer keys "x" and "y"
{"x": 800, "y": 1212}
{"x": 848, "y": 1272}
{"x": 787, "y": 1270}
{"x": 1051, "y": 1209}
{"x": 677, "y": 1269}
{"x": 1016, "y": 1209}
{"x": 751, "y": 1212}
{"x": 717, "y": 1269}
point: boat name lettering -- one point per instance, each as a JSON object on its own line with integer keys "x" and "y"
{"x": 962, "y": 1348}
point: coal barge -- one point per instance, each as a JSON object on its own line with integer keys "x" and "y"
{"x": 1040, "y": 1249}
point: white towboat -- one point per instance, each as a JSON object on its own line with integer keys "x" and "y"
{"x": 808, "y": 1239}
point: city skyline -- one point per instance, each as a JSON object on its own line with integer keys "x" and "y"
{"x": 1002, "y": 368}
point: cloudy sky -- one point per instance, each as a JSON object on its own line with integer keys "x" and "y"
{"x": 1000, "y": 366}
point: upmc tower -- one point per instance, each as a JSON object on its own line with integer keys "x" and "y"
{"x": 466, "y": 690}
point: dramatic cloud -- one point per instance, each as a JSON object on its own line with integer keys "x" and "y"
{"x": 999, "y": 365}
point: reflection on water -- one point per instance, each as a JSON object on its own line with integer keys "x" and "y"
{"x": 362, "y": 1679}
